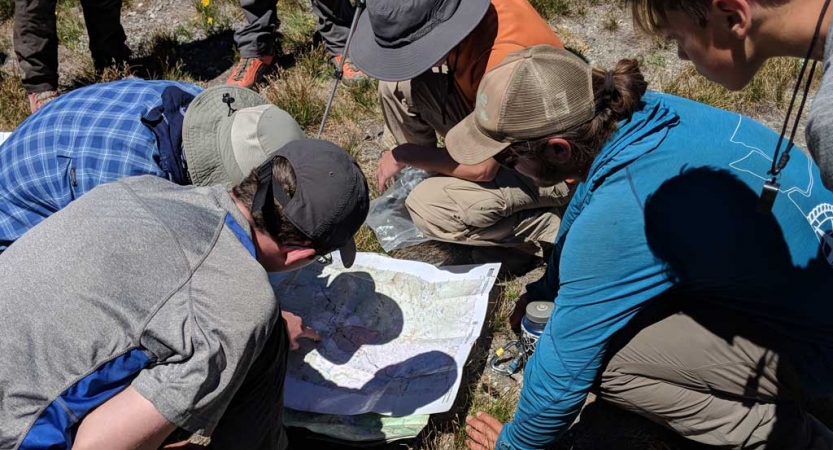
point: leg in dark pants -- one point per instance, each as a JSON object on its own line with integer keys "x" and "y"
{"x": 108, "y": 43}
{"x": 254, "y": 419}
{"x": 334, "y": 20}
{"x": 36, "y": 43}
{"x": 258, "y": 37}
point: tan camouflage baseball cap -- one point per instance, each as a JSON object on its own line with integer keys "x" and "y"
{"x": 534, "y": 93}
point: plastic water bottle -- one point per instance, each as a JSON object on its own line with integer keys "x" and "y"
{"x": 533, "y": 324}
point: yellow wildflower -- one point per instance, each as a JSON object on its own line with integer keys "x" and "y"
{"x": 210, "y": 20}
{"x": 205, "y": 3}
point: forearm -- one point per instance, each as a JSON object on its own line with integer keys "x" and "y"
{"x": 439, "y": 161}
{"x": 551, "y": 398}
{"x": 127, "y": 421}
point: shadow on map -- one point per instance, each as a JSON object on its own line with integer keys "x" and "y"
{"x": 356, "y": 315}
{"x": 352, "y": 315}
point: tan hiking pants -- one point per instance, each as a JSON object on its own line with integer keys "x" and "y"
{"x": 712, "y": 377}
{"x": 508, "y": 211}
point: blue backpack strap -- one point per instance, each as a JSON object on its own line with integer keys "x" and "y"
{"x": 241, "y": 235}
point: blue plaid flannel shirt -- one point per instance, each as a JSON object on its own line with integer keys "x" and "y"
{"x": 84, "y": 138}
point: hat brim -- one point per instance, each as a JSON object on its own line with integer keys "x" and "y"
{"x": 348, "y": 253}
{"x": 409, "y": 61}
{"x": 469, "y": 146}
{"x": 201, "y": 128}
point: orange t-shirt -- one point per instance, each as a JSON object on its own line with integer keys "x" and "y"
{"x": 509, "y": 26}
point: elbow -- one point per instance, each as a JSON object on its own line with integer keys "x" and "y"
{"x": 487, "y": 172}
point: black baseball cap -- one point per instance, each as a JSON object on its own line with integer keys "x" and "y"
{"x": 331, "y": 198}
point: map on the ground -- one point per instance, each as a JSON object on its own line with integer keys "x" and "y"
{"x": 395, "y": 334}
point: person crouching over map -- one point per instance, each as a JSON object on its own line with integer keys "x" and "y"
{"x": 674, "y": 297}
{"x": 145, "y": 306}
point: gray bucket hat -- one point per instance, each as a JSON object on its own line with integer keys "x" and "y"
{"x": 221, "y": 146}
{"x": 397, "y": 40}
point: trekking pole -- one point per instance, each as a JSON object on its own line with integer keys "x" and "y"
{"x": 360, "y": 5}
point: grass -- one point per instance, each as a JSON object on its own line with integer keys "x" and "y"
{"x": 70, "y": 25}
{"x": 563, "y": 8}
{"x": 503, "y": 307}
{"x": 297, "y": 25}
{"x": 295, "y": 92}
{"x": 13, "y": 101}
{"x": 552, "y": 8}
{"x": 365, "y": 96}
{"x": 301, "y": 88}
{"x": 209, "y": 18}
{"x": 6, "y": 9}
{"x": 611, "y": 20}
{"x": 770, "y": 89}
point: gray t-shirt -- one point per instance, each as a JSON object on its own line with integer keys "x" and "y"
{"x": 820, "y": 121}
{"x": 139, "y": 272}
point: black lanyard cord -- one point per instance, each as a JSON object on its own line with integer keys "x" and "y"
{"x": 779, "y": 163}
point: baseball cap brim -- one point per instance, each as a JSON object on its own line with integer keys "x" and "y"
{"x": 348, "y": 253}
{"x": 201, "y": 129}
{"x": 409, "y": 61}
{"x": 469, "y": 146}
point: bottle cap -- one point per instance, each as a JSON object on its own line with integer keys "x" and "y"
{"x": 539, "y": 312}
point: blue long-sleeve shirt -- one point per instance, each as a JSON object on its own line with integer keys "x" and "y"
{"x": 669, "y": 203}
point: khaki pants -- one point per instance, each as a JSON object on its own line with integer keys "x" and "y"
{"x": 508, "y": 211}
{"x": 712, "y": 377}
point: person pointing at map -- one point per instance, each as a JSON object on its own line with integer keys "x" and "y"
{"x": 676, "y": 297}
{"x": 145, "y": 307}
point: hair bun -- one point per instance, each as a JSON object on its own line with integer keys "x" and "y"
{"x": 619, "y": 90}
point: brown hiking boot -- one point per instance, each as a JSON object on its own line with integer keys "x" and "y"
{"x": 351, "y": 74}
{"x": 38, "y": 100}
{"x": 249, "y": 71}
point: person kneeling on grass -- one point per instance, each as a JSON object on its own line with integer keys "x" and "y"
{"x": 674, "y": 297}
{"x": 729, "y": 41}
{"x": 405, "y": 44}
{"x": 101, "y": 133}
{"x": 146, "y": 306}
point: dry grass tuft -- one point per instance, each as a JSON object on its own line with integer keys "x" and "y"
{"x": 365, "y": 96}
{"x": 770, "y": 88}
{"x": 13, "y": 102}
{"x": 297, "y": 93}
{"x": 366, "y": 241}
{"x": 504, "y": 305}
{"x": 611, "y": 21}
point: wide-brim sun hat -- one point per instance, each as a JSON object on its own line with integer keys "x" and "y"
{"x": 397, "y": 40}
{"x": 222, "y": 145}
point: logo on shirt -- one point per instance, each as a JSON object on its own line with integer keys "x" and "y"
{"x": 821, "y": 218}
{"x": 819, "y": 215}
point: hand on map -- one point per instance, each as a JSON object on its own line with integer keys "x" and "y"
{"x": 296, "y": 330}
{"x": 387, "y": 168}
{"x": 482, "y": 430}
{"x": 518, "y": 312}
